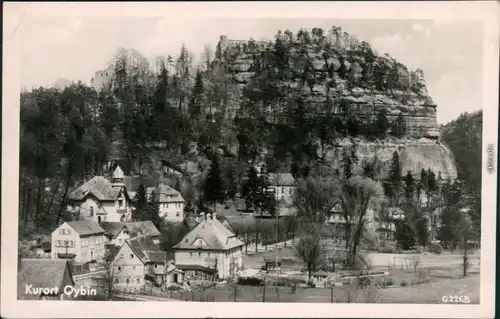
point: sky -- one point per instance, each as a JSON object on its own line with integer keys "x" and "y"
{"x": 449, "y": 52}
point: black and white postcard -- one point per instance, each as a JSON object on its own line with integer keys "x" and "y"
{"x": 279, "y": 159}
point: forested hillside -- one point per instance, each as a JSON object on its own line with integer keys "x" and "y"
{"x": 464, "y": 138}
{"x": 287, "y": 103}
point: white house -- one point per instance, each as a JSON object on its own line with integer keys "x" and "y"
{"x": 116, "y": 233}
{"x": 100, "y": 200}
{"x": 170, "y": 203}
{"x": 283, "y": 185}
{"x": 209, "y": 251}
{"x": 138, "y": 262}
{"x": 81, "y": 241}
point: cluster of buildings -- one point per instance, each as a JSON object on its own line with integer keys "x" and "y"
{"x": 103, "y": 233}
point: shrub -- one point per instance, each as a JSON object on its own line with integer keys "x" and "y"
{"x": 435, "y": 248}
{"x": 386, "y": 249}
{"x": 174, "y": 288}
{"x": 389, "y": 282}
{"x": 363, "y": 282}
{"x": 250, "y": 281}
{"x": 403, "y": 283}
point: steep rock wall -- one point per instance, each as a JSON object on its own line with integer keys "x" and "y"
{"x": 421, "y": 149}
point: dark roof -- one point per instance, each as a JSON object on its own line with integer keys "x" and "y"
{"x": 86, "y": 227}
{"x": 240, "y": 223}
{"x": 195, "y": 267}
{"x": 43, "y": 273}
{"x": 320, "y": 273}
{"x": 46, "y": 246}
{"x": 112, "y": 251}
{"x": 214, "y": 235}
{"x": 135, "y": 228}
{"x": 146, "y": 250}
{"x": 99, "y": 187}
{"x": 166, "y": 194}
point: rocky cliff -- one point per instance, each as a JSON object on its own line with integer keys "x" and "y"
{"x": 337, "y": 69}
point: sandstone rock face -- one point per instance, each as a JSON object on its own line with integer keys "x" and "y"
{"x": 420, "y": 150}
{"x": 414, "y": 155}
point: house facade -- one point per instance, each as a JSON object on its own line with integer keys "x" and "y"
{"x": 43, "y": 273}
{"x": 138, "y": 262}
{"x": 81, "y": 241}
{"x": 283, "y": 185}
{"x": 101, "y": 200}
{"x": 209, "y": 251}
{"x": 170, "y": 203}
{"x": 117, "y": 233}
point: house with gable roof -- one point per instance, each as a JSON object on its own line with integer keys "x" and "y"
{"x": 283, "y": 185}
{"x": 43, "y": 273}
{"x": 170, "y": 203}
{"x": 101, "y": 200}
{"x": 209, "y": 251}
{"x": 117, "y": 233}
{"x": 80, "y": 241}
{"x": 138, "y": 262}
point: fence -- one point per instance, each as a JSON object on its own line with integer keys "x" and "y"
{"x": 242, "y": 294}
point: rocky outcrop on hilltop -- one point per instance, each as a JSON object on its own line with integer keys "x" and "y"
{"x": 334, "y": 72}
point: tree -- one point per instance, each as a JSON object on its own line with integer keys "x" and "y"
{"x": 310, "y": 250}
{"x": 395, "y": 178}
{"x": 152, "y": 213}
{"x": 409, "y": 187}
{"x": 357, "y": 195}
{"x": 141, "y": 205}
{"x": 350, "y": 159}
{"x": 214, "y": 190}
{"x": 405, "y": 235}
{"x": 381, "y": 124}
{"x": 398, "y": 126}
{"x": 250, "y": 189}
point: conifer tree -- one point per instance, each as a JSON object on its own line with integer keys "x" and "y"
{"x": 214, "y": 190}
{"x": 395, "y": 177}
{"x": 409, "y": 187}
{"x": 141, "y": 205}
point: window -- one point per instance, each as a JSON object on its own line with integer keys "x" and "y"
{"x": 119, "y": 268}
{"x": 66, "y": 243}
{"x": 156, "y": 266}
{"x": 138, "y": 280}
{"x": 190, "y": 254}
{"x": 133, "y": 268}
{"x": 91, "y": 211}
{"x": 282, "y": 190}
{"x": 290, "y": 190}
{"x": 208, "y": 254}
{"x": 199, "y": 254}
{"x": 166, "y": 205}
{"x": 61, "y": 231}
{"x": 131, "y": 256}
{"x": 121, "y": 256}
{"x": 71, "y": 243}
{"x": 127, "y": 280}
{"x": 178, "y": 214}
{"x": 116, "y": 280}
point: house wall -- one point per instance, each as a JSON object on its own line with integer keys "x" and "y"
{"x": 91, "y": 248}
{"x": 126, "y": 266}
{"x": 65, "y": 243}
{"x": 283, "y": 192}
{"x": 112, "y": 211}
{"x": 207, "y": 258}
{"x": 173, "y": 212}
{"x": 121, "y": 238}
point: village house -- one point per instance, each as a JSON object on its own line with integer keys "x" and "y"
{"x": 81, "y": 241}
{"x": 168, "y": 168}
{"x": 43, "y": 273}
{"x": 117, "y": 233}
{"x": 209, "y": 251}
{"x": 170, "y": 203}
{"x": 101, "y": 200}
{"x": 138, "y": 262}
{"x": 283, "y": 185}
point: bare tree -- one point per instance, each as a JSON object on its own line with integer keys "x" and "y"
{"x": 357, "y": 194}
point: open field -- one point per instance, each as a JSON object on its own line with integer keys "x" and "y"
{"x": 423, "y": 293}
